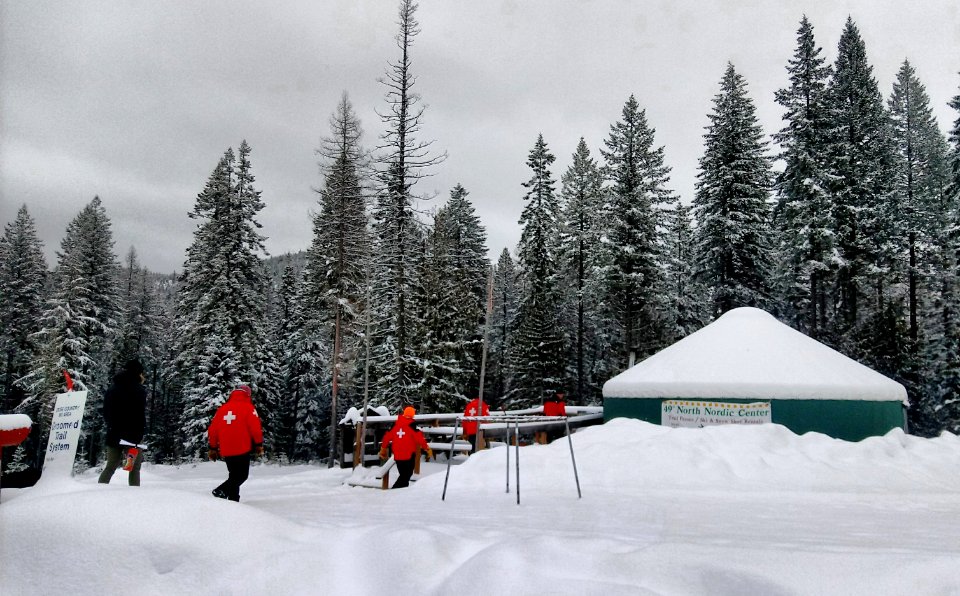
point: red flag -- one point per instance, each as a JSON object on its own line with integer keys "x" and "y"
{"x": 66, "y": 376}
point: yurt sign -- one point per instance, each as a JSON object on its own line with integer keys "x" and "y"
{"x": 697, "y": 414}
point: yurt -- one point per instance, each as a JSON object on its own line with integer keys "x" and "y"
{"x": 749, "y": 368}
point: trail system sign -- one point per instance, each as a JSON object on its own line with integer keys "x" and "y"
{"x": 64, "y": 434}
{"x": 697, "y": 414}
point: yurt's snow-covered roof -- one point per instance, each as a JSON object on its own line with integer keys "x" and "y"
{"x": 748, "y": 354}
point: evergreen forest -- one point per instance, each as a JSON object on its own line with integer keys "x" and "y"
{"x": 844, "y": 224}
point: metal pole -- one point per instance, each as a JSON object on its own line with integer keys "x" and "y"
{"x": 572, "y": 458}
{"x": 366, "y": 385}
{"x": 516, "y": 432}
{"x": 453, "y": 443}
{"x": 507, "y": 439}
{"x": 333, "y": 394}
{"x": 483, "y": 357}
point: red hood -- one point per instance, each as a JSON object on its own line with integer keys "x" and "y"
{"x": 240, "y": 395}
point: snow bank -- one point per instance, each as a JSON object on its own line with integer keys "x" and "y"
{"x": 630, "y": 457}
{"x": 735, "y": 510}
{"x": 90, "y": 536}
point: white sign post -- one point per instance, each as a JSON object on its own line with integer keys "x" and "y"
{"x": 64, "y": 434}
{"x": 697, "y": 414}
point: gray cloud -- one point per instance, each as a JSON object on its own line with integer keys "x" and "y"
{"x": 136, "y": 101}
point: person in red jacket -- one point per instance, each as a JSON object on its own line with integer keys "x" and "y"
{"x": 555, "y": 406}
{"x": 470, "y": 426}
{"x": 234, "y": 434}
{"x": 404, "y": 438}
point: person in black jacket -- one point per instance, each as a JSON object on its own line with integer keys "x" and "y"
{"x": 124, "y": 413}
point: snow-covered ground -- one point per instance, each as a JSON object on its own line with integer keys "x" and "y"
{"x": 721, "y": 510}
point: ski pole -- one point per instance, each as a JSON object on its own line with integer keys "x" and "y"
{"x": 517, "y": 433}
{"x": 566, "y": 422}
{"x": 453, "y": 444}
{"x": 508, "y": 457}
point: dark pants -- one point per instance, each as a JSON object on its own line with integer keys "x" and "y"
{"x": 115, "y": 457}
{"x": 473, "y": 443}
{"x": 404, "y": 472}
{"x": 238, "y": 470}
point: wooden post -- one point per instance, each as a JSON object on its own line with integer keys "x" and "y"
{"x": 359, "y": 447}
{"x": 416, "y": 461}
{"x": 385, "y": 485}
{"x": 480, "y": 443}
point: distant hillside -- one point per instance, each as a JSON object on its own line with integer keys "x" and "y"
{"x": 275, "y": 265}
{"x": 166, "y": 284}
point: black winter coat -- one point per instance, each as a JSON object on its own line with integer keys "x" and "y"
{"x": 124, "y": 410}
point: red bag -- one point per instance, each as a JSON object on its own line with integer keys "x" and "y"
{"x": 131, "y": 458}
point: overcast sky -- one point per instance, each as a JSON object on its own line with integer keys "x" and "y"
{"x": 135, "y": 101}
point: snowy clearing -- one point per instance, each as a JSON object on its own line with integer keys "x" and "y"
{"x": 721, "y": 510}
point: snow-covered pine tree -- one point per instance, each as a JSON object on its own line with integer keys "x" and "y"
{"x": 802, "y": 214}
{"x": 538, "y": 354}
{"x": 953, "y": 188}
{"x": 288, "y": 332}
{"x": 732, "y": 238}
{"x": 919, "y": 186}
{"x": 859, "y": 163}
{"x": 451, "y": 297}
{"x": 404, "y": 159}
{"x": 464, "y": 241}
{"x": 434, "y": 336}
{"x": 165, "y": 394}
{"x": 23, "y": 274}
{"x": 220, "y": 302}
{"x": 632, "y": 268}
{"x": 216, "y": 372}
{"x": 311, "y": 377}
{"x": 19, "y": 461}
{"x": 336, "y": 276}
{"x": 944, "y": 343}
{"x": 245, "y": 274}
{"x": 686, "y": 308}
{"x": 499, "y": 379}
{"x": 268, "y": 394}
{"x": 918, "y": 214}
{"x": 80, "y": 323}
{"x": 139, "y": 325}
{"x": 302, "y": 408}
{"x": 582, "y": 194}
{"x": 139, "y": 335}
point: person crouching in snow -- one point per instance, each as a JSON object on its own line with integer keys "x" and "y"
{"x": 235, "y": 434}
{"x": 404, "y": 438}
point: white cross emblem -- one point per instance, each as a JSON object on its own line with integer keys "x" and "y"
{"x": 400, "y": 433}
{"x": 473, "y": 411}
{"x": 230, "y": 417}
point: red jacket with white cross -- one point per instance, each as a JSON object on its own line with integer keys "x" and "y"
{"x": 235, "y": 428}
{"x": 473, "y": 409}
{"x": 404, "y": 439}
